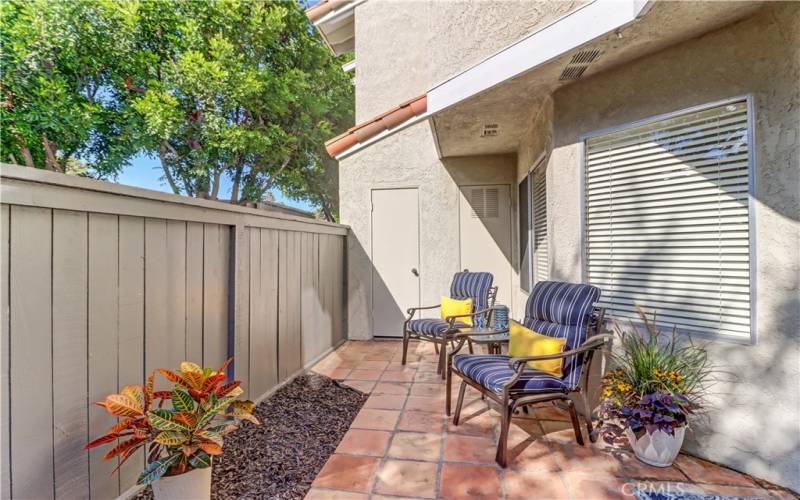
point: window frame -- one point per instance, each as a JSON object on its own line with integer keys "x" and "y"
{"x": 751, "y": 200}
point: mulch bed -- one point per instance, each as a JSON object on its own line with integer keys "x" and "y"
{"x": 301, "y": 425}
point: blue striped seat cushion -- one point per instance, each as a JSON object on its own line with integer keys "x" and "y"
{"x": 562, "y": 310}
{"x": 492, "y": 372}
{"x": 432, "y": 326}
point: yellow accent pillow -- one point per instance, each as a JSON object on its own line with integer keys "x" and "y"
{"x": 454, "y": 307}
{"x": 524, "y": 342}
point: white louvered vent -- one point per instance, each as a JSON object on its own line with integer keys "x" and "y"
{"x": 539, "y": 208}
{"x": 484, "y": 202}
{"x": 667, "y": 220}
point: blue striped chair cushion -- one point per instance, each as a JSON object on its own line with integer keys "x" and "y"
{"x": 492, "y": 371}
{"x": 432, "y": 326}
{"x": 473, "y": 286}
{"x": 562, "y": 310}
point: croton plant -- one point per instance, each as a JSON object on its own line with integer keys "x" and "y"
{"x": 181, "y": 438}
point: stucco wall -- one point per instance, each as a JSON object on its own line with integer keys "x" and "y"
{"x": 403, "y": 48}
{"x": 754, "y": 424}
{"x": 408, "y": 159}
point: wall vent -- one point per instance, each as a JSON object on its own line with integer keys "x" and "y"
{"x": 572, "y": 72}
{"x": 485, "y": 203}
{"x": 490, "y": 130}
{"x": 585, "y": 56}
{"x": 578, "y": 64}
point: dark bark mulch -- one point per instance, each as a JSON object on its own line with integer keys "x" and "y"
{"x": 301, "y": 425}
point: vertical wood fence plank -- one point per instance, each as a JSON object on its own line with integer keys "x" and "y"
{"x": 70, "y": 418}
{"x": 241, "y": 296}
{"x": 31, "y": 347}
{"x": 157, "y": 343}
{"x": 131, "y": 324}
{"x": 326, "y": 280}
{"x": 5, "y": 410}
{"x": 264, "y": 312}
{"x": 215, "y": 295}
{"x": 31, "y": 365}
{"x": 289, "y": 325}
{"x": 313, "y": 343}
{"x": 103, "y": 343}
{"x": 194, "y": 292}
{"x": 339, "y": 290}
{"x": 257, "y": 314}
{"x": 176, "y": 294}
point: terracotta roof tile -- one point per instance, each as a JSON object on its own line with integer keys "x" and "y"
{"x": 374, "y": 126}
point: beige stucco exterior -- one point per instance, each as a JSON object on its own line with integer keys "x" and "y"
{"x": 405, "y": 47}
{"x": 755, "y": 417}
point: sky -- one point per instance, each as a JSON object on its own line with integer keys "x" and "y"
{"x": 145, "y": 172}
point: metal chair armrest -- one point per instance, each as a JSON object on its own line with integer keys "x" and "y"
{"x": 467, "y": 335}
{"x": 451, "y": 319}
{"x": 412, "y": 310}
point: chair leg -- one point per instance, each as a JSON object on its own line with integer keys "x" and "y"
{"x": 405, "y": 347}
{"x": 576, "y": 425}
{"x": 443, "y": 357}
{"x": 448, "y": 390}
{"x": 588, "y": 417}
{"x": 436, "y": 348}
{"x": 502, "y": 443}
{"x": 461, "y": 389}
{"x": 469, "y": 344}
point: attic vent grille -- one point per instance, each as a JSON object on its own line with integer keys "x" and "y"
{"x": 485, "y": 203}
{"x": 585, "y": 56}
{"x": 572, "y": 72}
{"x": 490, "y": 130}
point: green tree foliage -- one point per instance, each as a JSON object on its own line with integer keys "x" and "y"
{"x": 242, "y": 89}
{"x": 58, "y": 62}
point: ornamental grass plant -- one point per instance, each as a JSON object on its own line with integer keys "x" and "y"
{"x": 657, "y": 383}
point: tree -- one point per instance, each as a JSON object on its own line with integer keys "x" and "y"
{"x": 226, "y": 88}
{"x": 238, "y": 89}
{"x": 58, "y": 62}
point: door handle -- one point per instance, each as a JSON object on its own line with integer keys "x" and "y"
{"x": 414, "y": 271}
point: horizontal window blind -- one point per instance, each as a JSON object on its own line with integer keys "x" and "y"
{"x": 539, "y": 204}
{"x": 666, "y": 220}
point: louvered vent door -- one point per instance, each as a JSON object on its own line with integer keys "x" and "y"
{"x": 485, "y": 233}
{"x": 666, "y": 215}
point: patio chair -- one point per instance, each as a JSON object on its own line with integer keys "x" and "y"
{"x": 465, "y": 285}
{"x": 556, "y": 309}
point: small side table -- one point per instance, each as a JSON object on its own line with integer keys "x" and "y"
{"x": 493, "y": 338}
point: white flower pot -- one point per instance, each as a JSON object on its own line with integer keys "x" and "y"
{"x": 193, "y": 485}
{"x": 658, "y": 449}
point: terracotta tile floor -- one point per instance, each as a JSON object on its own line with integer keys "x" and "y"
{"x": 401, "y": 445}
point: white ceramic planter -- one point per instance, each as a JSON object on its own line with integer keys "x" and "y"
{"x": 658, "y": 449}
{"x": 193, "y": 485}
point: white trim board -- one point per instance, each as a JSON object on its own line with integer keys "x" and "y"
{"x": 571, "y": 31}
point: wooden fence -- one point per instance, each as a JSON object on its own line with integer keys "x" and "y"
{"x": 102, "y": 283}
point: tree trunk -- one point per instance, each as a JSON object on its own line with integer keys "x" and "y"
{"x": 50, "y": 160}
{"x": 215, "y": 183}
{"x": 162, "y": 155}
{"x": 237, "y": 179}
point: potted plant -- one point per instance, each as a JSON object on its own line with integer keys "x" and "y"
{"x": 657, "y": 384}
{"x": 181, "y": 440}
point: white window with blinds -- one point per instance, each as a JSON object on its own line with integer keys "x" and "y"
{"x": 534, "y": 266}
{"x": 667, "y": 219}
{"x": 538, "y": 183}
